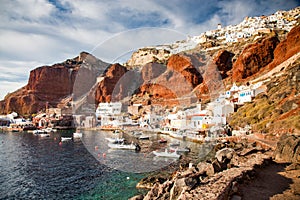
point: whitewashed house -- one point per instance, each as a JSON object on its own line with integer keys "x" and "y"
{"x": 89, "y": 122}
{"x": 109, "y": 114}
{"x": 150, "y": 120}
{"x": 245, "y": 95}
{"x": 201, "y": 120}
{"x": 177, "y": 120}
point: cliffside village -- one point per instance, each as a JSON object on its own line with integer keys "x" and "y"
{"x": 249, "y": 27}
{"x": 199, "y": 117}
{"x": 109, "y": 116}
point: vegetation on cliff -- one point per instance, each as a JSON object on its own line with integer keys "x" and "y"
{"x": 277, "y": 109}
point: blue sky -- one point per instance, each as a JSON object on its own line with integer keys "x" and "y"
{"x": 44, "y": 32}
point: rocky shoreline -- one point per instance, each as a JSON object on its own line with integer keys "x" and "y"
{"x": 236, "y": 162}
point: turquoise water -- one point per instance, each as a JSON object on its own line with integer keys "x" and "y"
{"x": 41, "y": 168}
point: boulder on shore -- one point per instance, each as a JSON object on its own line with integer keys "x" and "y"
{"x": 288, "y": 149}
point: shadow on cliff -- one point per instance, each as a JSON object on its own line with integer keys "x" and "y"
{"x": 267, "y": 183}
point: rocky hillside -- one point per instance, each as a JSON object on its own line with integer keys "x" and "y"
{"x": 278, "y": 109}
{"x": 157, "y": 76}
{"x": 52, "y": 86}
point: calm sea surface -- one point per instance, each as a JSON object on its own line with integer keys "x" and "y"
{"x": 41, "y": 168}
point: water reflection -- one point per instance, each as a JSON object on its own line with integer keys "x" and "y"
{"x": 132, "y": 161}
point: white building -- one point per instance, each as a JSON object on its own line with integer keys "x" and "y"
{"x": 150, "y": 120}
{"x": 89, "y": 122}
{"x": 109, "y": 114}
{"x": 245, "y": 96}
{"x": 201, "y": 120}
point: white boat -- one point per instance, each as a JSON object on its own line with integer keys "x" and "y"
{"x": 64, "y": 139}
{"x": 124, "y": 146}
{"x": 41, "y": 133}
{"x": 144, "y": 137}
{"x": 115, "y": 140}
{"x": 77, "y": 135}
{"x": 174, "y": 144}
{"x": 35, "y": 132}
{"x": 166, "y": 154}
{"x": 49, "y": 130}
{"x": 180, "y": 150}
{"x": 44, "y": 134}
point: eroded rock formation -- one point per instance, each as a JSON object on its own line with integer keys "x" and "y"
{"x": 48, "y": 85}
{"x": 287, "y": 48}
{"x": 254, "y": 57}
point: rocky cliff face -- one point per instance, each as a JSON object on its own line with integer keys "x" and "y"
{"x": 148, "y": 55}
{"x": 108, "y": 85}
{"x": 287, "y": 48}
{"x": 170, "y": 83}
{"x": 48, "y": 85}
{"x": 161, "y": 78}
{"x": 254, "y": 57}
{"x": 276, "y": 110}
{"x": 52, "y": 82}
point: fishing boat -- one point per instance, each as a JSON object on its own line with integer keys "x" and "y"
{"x": 115, "y": 140}
{"x": 123, "y": 146}
{"x": 77, "y": 135}
{"x": 64, "y": 139}
{"x": 167, "y": 154}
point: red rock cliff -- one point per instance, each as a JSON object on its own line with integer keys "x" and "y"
{"x": 254, "y": 57}
{"x": 50, "y": 84}
{"x": 110, "y": 84}
{"x": 287, "y": 48}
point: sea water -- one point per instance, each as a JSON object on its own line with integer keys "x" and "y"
{"x": 32, "y": 167}
{"x": 43, "y": 168}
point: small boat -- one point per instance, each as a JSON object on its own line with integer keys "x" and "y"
{"x": 64, "y": 139}
{"x": 38, "y": 132}
{"x": 144, "y": 137}
{"x": 115, "y": 140}
{"x": 174, "y": 144}
{"x": 180, "y": 150}
{"x": 124, "y": 146}
{"x": 167, "y": 154}
{"x": 44, "y": 135}
{"x": 77, "y": 135}
{"x": 162, "y": 141}
{"x": 15, "y": 130}
{"x": 41, "y": 133}
{"x": 29, "y": 128}
{"x": 49, "y": 130}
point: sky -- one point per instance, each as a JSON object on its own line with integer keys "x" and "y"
{"x": 34, "y": 33}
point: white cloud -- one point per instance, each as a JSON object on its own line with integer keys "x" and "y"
{"x": 26, "y": 10}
